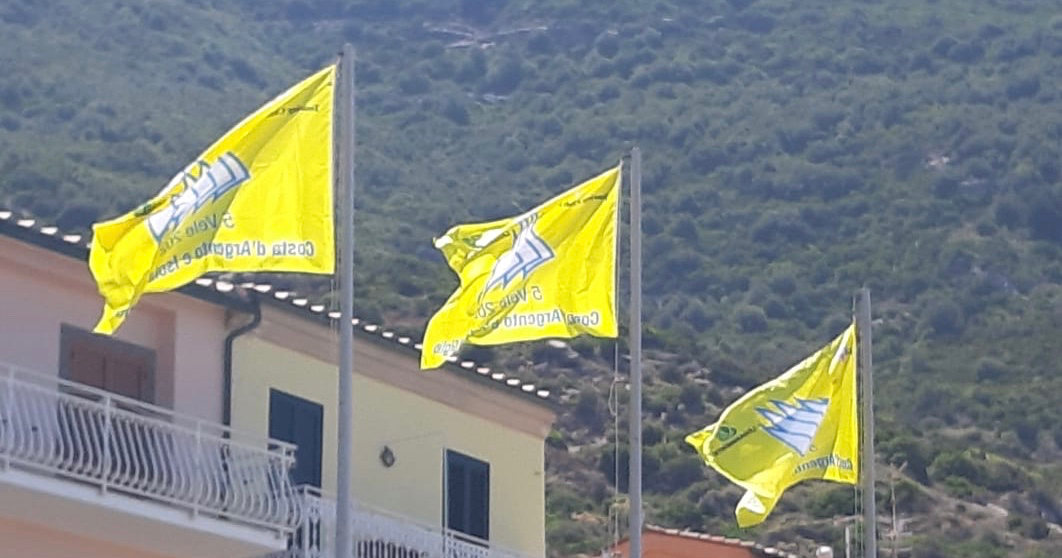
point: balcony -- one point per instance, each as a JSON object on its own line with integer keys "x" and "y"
{"x": 128, "y": 473}
{"x": 379, "y": 535}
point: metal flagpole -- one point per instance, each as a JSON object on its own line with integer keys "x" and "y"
{"x": 345, "y": 108}
{"x": 866, "y": 458}
{"x": 634, "y": 485}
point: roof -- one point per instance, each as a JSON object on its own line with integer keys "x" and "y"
{"x": 240, "y": 296}
{"x": 765, "y": 551}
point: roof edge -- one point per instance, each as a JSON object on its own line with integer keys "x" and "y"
{"x": 237, "y": 297}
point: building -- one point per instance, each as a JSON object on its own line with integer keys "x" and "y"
{"x": 658, "y": 542}
{"x": 207, "y": 427}
{"x": 470, "y": 437}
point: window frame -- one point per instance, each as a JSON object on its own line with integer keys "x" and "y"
{"x": 281, "y": 394}
{"x": 468, "y": 466}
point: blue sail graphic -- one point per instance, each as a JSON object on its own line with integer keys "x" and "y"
{"x": 795, "y": 425}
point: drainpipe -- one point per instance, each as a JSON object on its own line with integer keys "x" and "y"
{"x": 226, "y": 382}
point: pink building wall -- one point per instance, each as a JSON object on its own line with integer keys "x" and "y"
{"x": 30, "y": 540}
{"x": 40, "y": 290}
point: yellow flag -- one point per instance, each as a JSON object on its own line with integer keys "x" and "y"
{"x": 259, "y": 199}
{"x": 801, "y": 425}
{"x": 550, "y": 272}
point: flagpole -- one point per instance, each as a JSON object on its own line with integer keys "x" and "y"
{"x": 346, "y": 112}
{"x": 866, "y": 372}
{"x": 634, "y": 485}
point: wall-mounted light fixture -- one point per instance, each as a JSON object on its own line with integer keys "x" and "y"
{"x": 387, "y": 457}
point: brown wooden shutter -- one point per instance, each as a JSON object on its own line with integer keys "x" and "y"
{"x": 108, "y": 364}
{"x": 86, "y": 362}
{"x": 128, "y": 375}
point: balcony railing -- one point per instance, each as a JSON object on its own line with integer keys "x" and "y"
{"x": 64, "y": 429}
{"x": 380, "y": 535}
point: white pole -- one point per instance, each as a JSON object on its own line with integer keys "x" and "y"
{"x": 634, "y": 485}
{"x": 866, "y": 376}
{"x": 345, "y": 109}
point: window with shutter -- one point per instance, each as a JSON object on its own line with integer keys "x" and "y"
{"x": 123, "y": 369}
{"x": 107, "y": 363}
{"x": 467, "y": 495}
{"x": 299, "y": 421}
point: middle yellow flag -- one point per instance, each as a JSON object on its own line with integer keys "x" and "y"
{"x": 550, "y": 272}
{"x": 801, "y": 425}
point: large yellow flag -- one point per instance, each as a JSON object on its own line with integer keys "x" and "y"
{"x": 259, "y": 199}
{"x": 801, "y": 425}
{"x": 550, "y": 272}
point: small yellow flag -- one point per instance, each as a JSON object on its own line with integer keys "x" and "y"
{"x": 550, "y": 272}
{"x": 259, "y": 199}
{"x": 801, "y": 425}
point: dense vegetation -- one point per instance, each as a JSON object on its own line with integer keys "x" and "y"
{"x": 793, "y": 152}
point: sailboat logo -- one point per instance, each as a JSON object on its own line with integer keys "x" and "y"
{"x": 795, "y": 425}
{"x": 212, "y": 181}
{"x": 528, "y": 252}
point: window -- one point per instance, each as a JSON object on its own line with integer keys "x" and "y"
{"x": 467, "y": 495}
{"x": 299, "y": 421}
{"x": 107, "y": 363}
{"x": 137, "y": 450}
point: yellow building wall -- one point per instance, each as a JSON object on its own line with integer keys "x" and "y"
{"x": 417, "y": 429}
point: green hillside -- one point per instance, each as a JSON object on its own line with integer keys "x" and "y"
{"x": 793, "y": 152}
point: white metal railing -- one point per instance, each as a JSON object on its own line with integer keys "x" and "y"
{"x": 378, "y": 534}
{"x": 118, "y": 444}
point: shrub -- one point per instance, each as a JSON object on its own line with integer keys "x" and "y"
{"x": 953, "y": 464}
{"x": 590, "y": 410}
{"x": 989, "y": 369}
{"x": 692, "y": 396}
{"x": 456, "y": 112}
{"x": 832, "y": 502}
{"x": 677, "y": 473}
{"x": 506, "y": 76}
{"x": 1023, "y": 87}
{"x": 944, "y": 318}
{"x": 751, "y": 318}
{"x": 607, "y": 44}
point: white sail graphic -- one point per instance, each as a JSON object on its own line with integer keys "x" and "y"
{"x": 528, "y": 252}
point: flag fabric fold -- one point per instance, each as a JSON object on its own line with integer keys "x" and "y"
{"x": 258, "y": 199}
{"x": 550, "y": 272}
{"x": 799, "y": 426}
